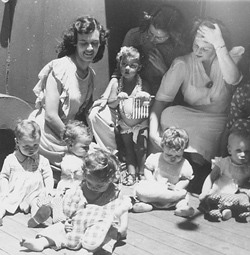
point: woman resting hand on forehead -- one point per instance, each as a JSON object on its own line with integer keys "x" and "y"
{"x": 206, "y": 77}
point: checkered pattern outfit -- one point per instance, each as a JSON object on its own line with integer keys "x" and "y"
{"x": 91, "y": 223}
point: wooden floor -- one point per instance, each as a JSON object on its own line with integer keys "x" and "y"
{"x": 156, "y": 232}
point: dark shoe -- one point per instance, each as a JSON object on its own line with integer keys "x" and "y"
{"x": 129, "y": 179}
{"x": 42, "y": 214}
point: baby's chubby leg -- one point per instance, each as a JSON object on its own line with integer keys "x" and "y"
{"x": 183, "y": 209}
{"x": 159, "y": 193}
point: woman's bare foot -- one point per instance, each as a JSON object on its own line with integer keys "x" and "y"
{"x": 33, "y": 244}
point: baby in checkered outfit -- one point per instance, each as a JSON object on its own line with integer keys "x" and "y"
{"x": 95, "y": 225}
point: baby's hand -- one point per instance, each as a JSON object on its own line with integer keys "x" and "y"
{"x": 144, "y": 97}
{"x": 203, "y": 196}
{"x": 68, "y": 226}
{"x": 122, "y": 96}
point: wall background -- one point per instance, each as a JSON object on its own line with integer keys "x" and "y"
{"x": 35, "y": 27}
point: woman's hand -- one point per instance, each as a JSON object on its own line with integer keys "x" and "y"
{"x": 211, "y": 35}
{"x": 157, "y": 60}
{"x": 101, "y": 103}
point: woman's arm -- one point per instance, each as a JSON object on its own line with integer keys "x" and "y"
{"x": 208, "y": 183}
{"x": 52, "y": 100}
{"x": 154, "y": 122}
{"x": 112, "y": 99}
{"x": 229, "y": 69}
{"x": 102, "y": 101}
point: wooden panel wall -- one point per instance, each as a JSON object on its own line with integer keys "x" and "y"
{"x": 36, "y": 31}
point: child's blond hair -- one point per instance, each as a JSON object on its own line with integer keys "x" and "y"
{"x": 175, "y": 138}
{"x": 27, "y": 128}
{"x": 74, "y": 129}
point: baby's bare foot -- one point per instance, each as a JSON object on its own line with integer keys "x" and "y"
{"x": 32, "y": 244}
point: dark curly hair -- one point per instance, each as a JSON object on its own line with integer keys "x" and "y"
{"x": 102, "y": 164}
{"x": 167, "y": 18}
{"x": 209, "y": 22}
{"x": 82, "y": 25}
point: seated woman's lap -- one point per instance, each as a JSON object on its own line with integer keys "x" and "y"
{"x": 204, "y": 129}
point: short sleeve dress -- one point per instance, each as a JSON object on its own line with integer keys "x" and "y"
{"x": 75, "y": 95}
{"x": 207, "y": 100}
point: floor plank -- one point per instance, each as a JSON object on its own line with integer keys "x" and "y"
{"x": 157, "y": 232}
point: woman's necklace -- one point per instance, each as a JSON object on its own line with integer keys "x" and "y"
{"x": 137, "y": 88}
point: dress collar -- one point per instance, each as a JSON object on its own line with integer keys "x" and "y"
{"x": 21, "y": 157}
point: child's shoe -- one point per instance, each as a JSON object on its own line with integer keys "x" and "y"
{"x": 226, "y": 214}
{"x": 42, "y": 214}
{"x": 184, "y": 212}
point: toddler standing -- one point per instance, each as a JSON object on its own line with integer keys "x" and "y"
{"x": 25, "y": 175}
{"x": 128, "y": 94}
{"x": 89, "y": 226}
{"x": 167, "y": 175}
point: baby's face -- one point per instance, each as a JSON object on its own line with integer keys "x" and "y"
{"x": 28, "y": 146}
{"x": 80, "y": 146}
{"x": 239, "y": 150}
{"x": 95, "y": 184}
{"x": 129, "y": 67}
{"x": 172, "y": 156}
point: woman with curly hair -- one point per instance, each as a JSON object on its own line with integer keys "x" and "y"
{"x": 161, "y": 37}
{"x": 66, "y": 84}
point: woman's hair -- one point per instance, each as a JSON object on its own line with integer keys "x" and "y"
{"x": 74, "y": 129}
{"x": 28, "y": 128}
{"x": 82, "y": 25}
{"x": 175, "y": 139}
{"x": 209, "y": 22}
{"x": 167, "y": 18}
{"x": 102, "y": 164}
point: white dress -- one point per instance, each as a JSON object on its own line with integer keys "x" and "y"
{"x": 205, "y": 112}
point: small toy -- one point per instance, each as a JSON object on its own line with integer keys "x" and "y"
{"x": 225, "y": 206}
